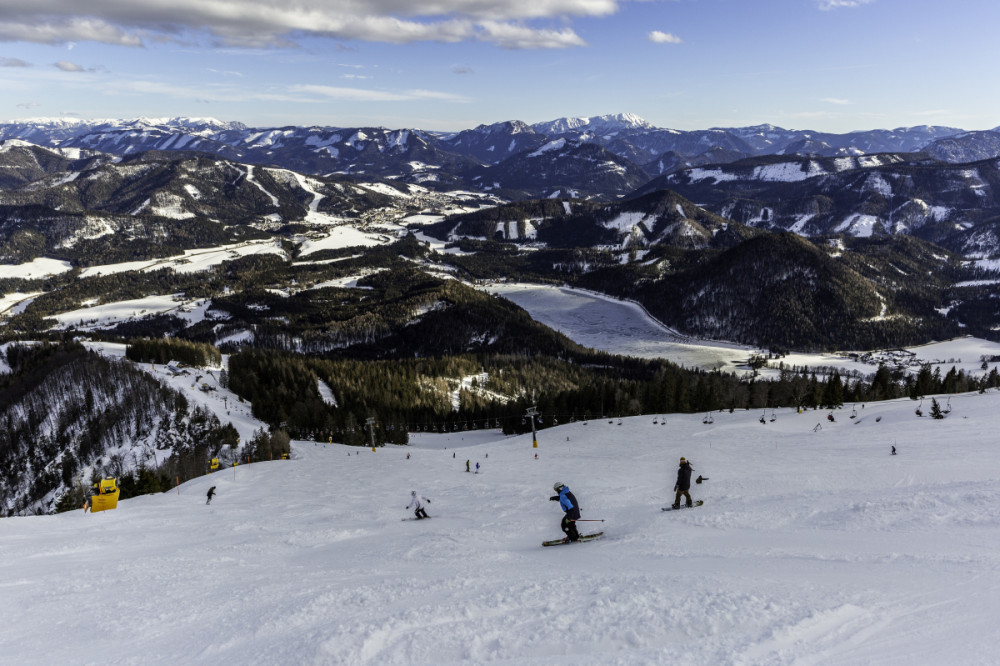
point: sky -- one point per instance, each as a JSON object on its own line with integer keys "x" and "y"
{"x": 826, "y": 65}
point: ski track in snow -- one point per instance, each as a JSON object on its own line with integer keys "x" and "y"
{"x": 812, "y": 548}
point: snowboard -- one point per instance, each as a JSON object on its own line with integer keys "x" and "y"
{"x": 415, "y": 518}
{"x": 670, "y": 508}
{"x": 583, "y": 537}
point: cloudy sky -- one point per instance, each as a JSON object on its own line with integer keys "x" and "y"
{"x": 830, "y": 65}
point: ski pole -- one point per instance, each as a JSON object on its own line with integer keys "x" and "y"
{"x": 584, "y": 520}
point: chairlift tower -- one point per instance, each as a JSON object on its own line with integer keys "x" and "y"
{"x": 531, "y": 414}
{"x": 370, "y": 422}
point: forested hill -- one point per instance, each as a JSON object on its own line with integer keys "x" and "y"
{"x": 69, "y": 416}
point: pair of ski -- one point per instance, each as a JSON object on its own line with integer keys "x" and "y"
{"x": 598, "y": 535}
{"x": 583, "y": 537}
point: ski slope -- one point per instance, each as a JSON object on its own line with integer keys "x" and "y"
{"x": 813, "y": 547}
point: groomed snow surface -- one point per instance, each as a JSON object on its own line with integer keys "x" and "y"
{"x": 813, "y": 547}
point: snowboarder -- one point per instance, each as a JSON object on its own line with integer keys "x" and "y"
{"x": 467, "y": 466}
{"x": 683, "y": 485}
{"x": 417, "y": 501}
{"x": 211, "y": 492}
{"x": 567, "y": 501}
{"x": 893, "y": 450}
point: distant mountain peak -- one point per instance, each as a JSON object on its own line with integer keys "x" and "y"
{"x": 596, "y": 124}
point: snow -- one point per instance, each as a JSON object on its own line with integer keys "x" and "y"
{"x": 15, "y": 302}
{"x": 109, "y": 314}
{"x": 388, "y": 190}
{"x": 421, "y": 219}
{"x": 37, "y": 268}
{"x": 250, "y": 179}
{"x": 340, "y": 237}
{"x": 800, "y": 222}
{"x": 619, "y": 327}
{"x": 787, "y": 172}
{"x": 558, "y": 144}
{"x": 858, "y": 224}
{"x": 811, "y": 548}
{"x": 192, "y": 261}
{"x": 625, "y": 328}
{"x": 717, "y": 174}
{"x": 626, "y": 221}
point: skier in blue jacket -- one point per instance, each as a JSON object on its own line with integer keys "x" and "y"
{"x": 567, "y": 501}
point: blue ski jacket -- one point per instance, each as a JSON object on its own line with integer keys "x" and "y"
{"x": 568, "y": 503}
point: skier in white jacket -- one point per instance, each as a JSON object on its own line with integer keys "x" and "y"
{"x": 417, "y": 501}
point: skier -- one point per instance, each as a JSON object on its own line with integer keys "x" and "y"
{"x": 477, "y": 468}
{"x": 467, "y": 466}
{"x": 211, "y": 492}
{"x": 893, "y": 450}
{"x": 416, "y": 501}
{"x": 683, "y": 485}
{"x": 567, "y": 501}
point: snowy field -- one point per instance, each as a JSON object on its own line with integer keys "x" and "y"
{"x": 813, "y": 547}
{"x": 622, "y": 327}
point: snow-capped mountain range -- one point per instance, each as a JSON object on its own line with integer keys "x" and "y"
{"x": 458, "y": 159}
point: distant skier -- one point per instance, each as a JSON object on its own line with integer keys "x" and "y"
{"x": 467, "y": 466}
{"x": 893, "y": 449}
{"x": 477, "y": 468}
{"x": 417, "y": 502}
{"x": 211, "y": 492}
{"x": 567, "y": 501}
{"x": 683, "y": 485}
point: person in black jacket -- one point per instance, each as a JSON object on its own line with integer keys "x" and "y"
{"x": 211, "y": 492}
{"x": 567, "y": 502}
{"x": 683, "y": 484}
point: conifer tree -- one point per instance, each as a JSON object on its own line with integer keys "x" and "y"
{"x": 936, "y": 412}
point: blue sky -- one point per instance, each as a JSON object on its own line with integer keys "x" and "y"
{"x": 828, "y": 65}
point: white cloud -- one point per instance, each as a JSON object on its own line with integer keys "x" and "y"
{"x": 835, "y": 100}
{"x": 264, "y": 23}
{"x": 67, "y": 66}
{"x": 511, "y": 36}
{"x": 65, "y": 29}
{"x": 827, "y": 5}
{"x": 13, "y": 62}
{"x": 663, "y": 37}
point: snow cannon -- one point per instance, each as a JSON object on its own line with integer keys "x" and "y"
{"x": 106, "y": 497}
